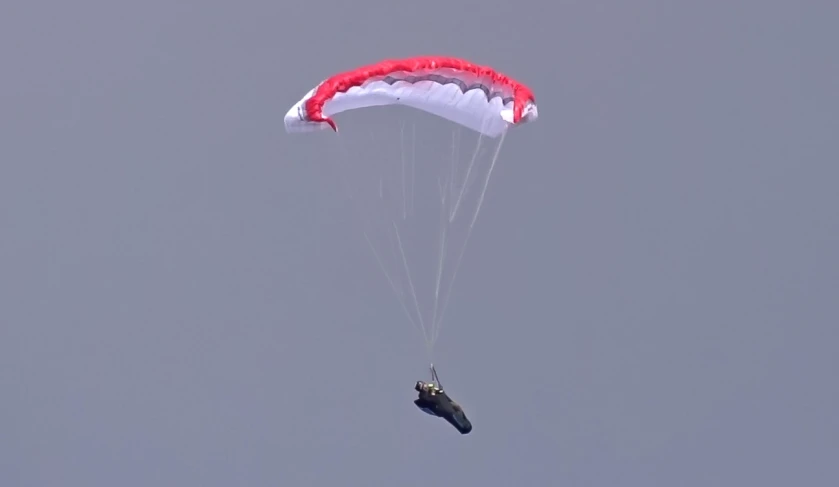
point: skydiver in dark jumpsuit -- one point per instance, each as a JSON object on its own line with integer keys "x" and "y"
{"x": 434, "y": 401}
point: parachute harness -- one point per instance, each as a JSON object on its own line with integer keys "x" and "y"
{"x": 434, "y": 377}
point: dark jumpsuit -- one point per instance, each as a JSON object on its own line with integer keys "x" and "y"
{"x": 441, "y": 405}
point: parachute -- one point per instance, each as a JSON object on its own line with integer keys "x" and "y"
{"x": 417, "y": 213}
{"x": 451, "y": 88}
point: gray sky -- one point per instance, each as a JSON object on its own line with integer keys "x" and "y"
{"x": 654, "y": 276}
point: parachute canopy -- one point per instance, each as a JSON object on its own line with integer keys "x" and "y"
{"x": 415, "y": 193}
{"x": 477, "y": 97}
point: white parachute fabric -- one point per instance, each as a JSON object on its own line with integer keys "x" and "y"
{"x": 484, "y": 108}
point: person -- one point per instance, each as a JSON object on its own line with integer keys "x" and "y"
{"x": 433, "y": 400}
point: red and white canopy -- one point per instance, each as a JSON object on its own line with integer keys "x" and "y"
{"x": 477, "y": 97}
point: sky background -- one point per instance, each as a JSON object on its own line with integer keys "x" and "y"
{"x": 650, "y": 296}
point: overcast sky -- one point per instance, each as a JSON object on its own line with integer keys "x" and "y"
{"x": 650, "y": 296}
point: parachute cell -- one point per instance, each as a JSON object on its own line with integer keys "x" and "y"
{"x": 477, "y": 97}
